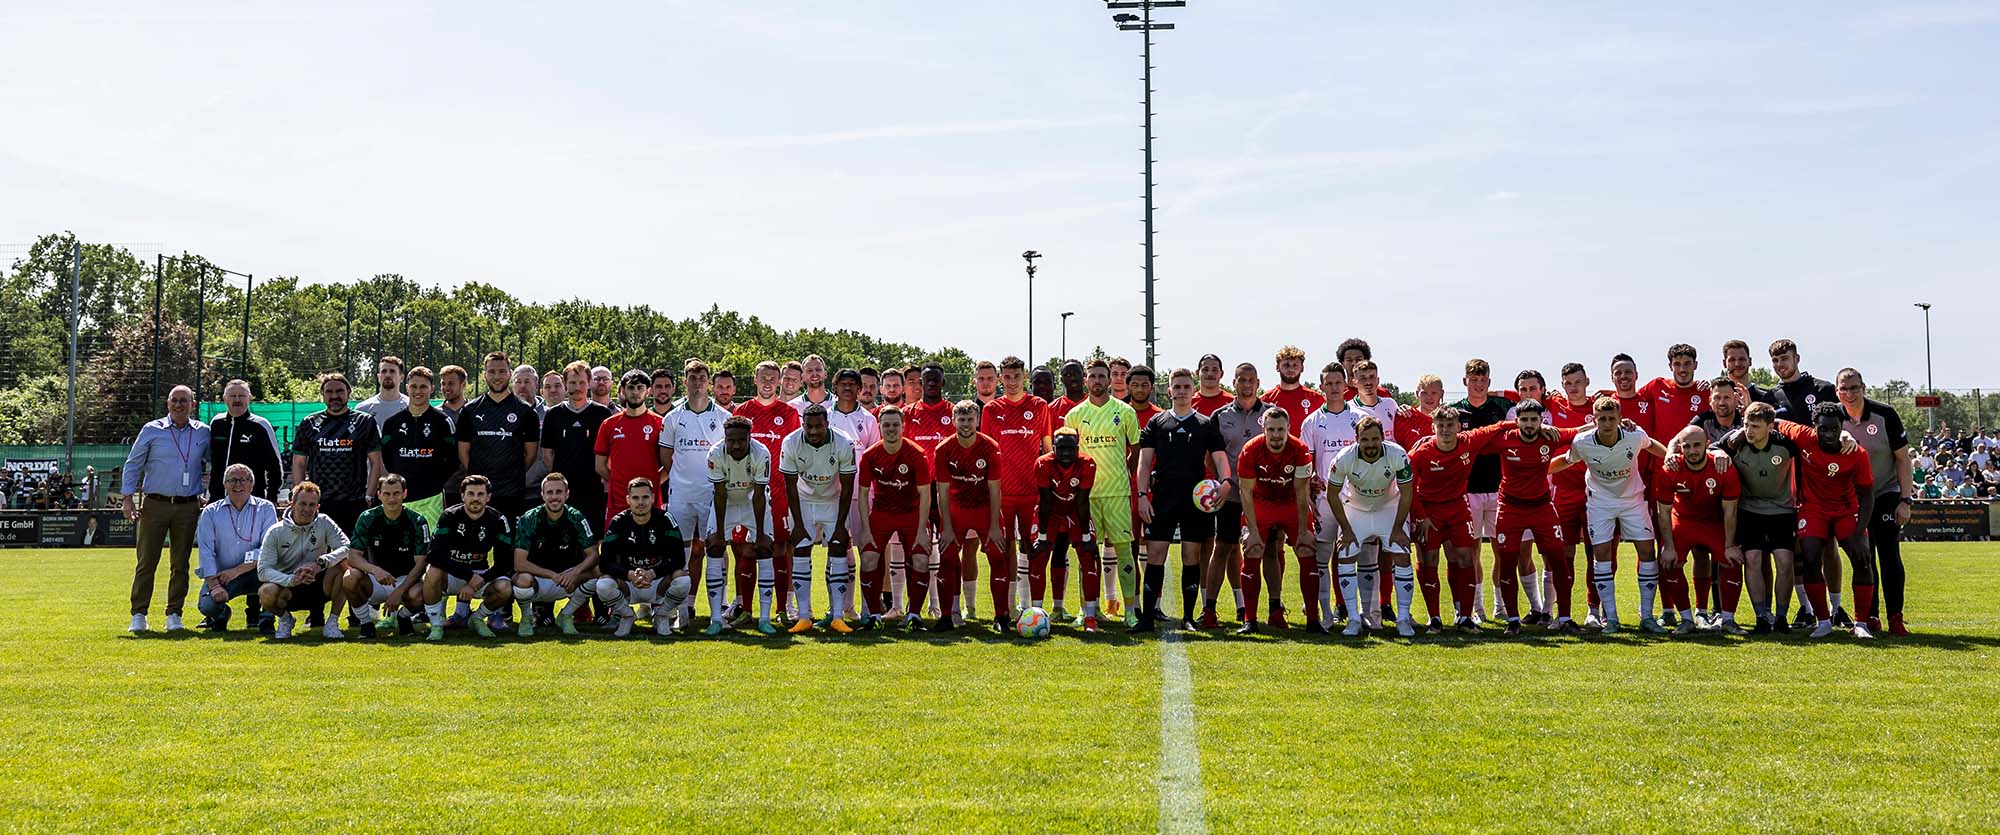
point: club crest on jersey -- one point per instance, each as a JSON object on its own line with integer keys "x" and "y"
{"x": 981, "y": 463}
{"x": 902, "y": 469}
{"x": 1711, "y": 484}
{"x": 944, "y": 419}
{"x": 1833, "y": 468}
{"x": 1872, "y": 429}
{"x": 1075, "y": 482}
{"x": 1812, "y": 399}
{"x": 511, "y": 417}
{"x": 1545, "y": 449}
{"x": 778, "y": 420}
{"x": 1290, "y": 468}
{"x": 1695, "y": 401}
{"x": 1028, "y": 415}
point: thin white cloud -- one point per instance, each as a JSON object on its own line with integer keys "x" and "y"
{"x": 1905, "y": 18}
{"x": 1502, "y": 196}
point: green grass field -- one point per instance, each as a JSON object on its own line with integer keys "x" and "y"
{"x": 974, "y": 733}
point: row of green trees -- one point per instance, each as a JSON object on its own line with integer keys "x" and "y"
{"x": 299, "y": 330}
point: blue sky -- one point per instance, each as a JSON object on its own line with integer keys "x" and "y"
{"x": 1532, "y": 183}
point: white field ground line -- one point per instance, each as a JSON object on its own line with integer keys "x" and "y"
{"x": 1180, "y": 758}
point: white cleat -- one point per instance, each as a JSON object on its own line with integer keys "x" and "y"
{"x": 331, "y": 631}
{"x": 1592, "y": 621}
{"x": 138, "y": 624}
{"x": 1822, "y": 630}
{"x": 1861, "y": 631}
{"x": 1405, "y": 628}
{"x": 1355, "y": 626}
{"x": 283, "y": 629}
{"x": 174, "y": 623}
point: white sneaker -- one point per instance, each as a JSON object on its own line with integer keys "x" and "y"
{"x": 1861, "y": 630}
{"x": 1355, "y": 626}
{"x": 1822, "y": 630}
{"x": 174, "y": 623}
{"x": 1405, "y": 628}
{"x": 958, "y": 618}
{"x": 138, "y": 624}
{"x": 1592, "y": 621}
{"x": 284, "y": 627}
{"x": 331, "y": 631}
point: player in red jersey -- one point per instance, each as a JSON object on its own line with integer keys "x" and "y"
{"x": 1442, "y": 464}
{"x": 1042, "y": 384}
{"x": 1289, "y": 394}
{"x": 628, "y": 443}
{"x": 1676, "y": 402}
{"x": 1072, "y": 393}
{"x": 985, "y": 383}
{"x": 1526, "y": 450}
{"x": 1275, "y": 471}
{"x": 1572, "y": 411}
{"x": 1414, "y": 423}
{"x": 771, "y": 419}
{"x": 1064, "y": 478}
{"x": 1020, "y": 423}
{"x": 1625, "y": 387}
{"x": 1209, "y": 394}
{"x": 926, "y": 423}
{"x": 1697, "y": 514}
{"x": 1837, "y": 491}
{"x": 896, "y": 504}
{"x": 965, "y": 472}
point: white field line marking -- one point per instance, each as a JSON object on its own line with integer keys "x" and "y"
{"x": 1180, "y": 758}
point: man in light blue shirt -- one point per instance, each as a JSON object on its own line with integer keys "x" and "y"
{"x": 167, "y": 467}
{"x": 227, "y": 536}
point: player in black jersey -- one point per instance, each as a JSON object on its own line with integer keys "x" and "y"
{"x": 644, "y": 560}
{"x": 458, "y": 560}
{"x": 382, "y": 560}
{"x": 555, "y": 557}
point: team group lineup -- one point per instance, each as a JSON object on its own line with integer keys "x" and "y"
{"x": 629, "y": 509}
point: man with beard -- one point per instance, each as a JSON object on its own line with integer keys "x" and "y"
{"x": 499, "y": 437}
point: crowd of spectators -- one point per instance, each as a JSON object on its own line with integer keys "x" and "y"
{"x": 1958, "y": 464}
{"x": 20, "y": 490}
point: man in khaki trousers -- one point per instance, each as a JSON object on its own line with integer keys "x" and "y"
{"x": 166, "y": 470}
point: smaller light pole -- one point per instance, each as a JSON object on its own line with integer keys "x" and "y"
{"x": 1930, "y": 388}
{"x": 1065, "y": 333}
{"x": 1030, "y": 256}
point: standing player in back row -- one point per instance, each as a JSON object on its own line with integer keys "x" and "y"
{"x": 1020, "y": 424}
{"x": 687, "y": 434}
{"x": 1239, "y": 422}
{"x": 1327, "y": 430}
{"x": 771, "y": 419}
{"x": 628, "y": 444}
{"x": 1296, "y": 398}
{"x": 1108, "y": 431}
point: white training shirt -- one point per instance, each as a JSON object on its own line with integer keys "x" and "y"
{"x": 738, "y": 475}
{"x": 818, "y": 467}
{"x": 691, "y": 435}
{"x": 1326, "y": 434}
{"x": 1370, "y": 485}
{"x": 859, "y": 426}
{"x": 1612, "y": 477}
{"x": 801, "y": 402}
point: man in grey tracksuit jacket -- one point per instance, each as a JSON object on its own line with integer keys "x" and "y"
{"x": 295, "y": 555}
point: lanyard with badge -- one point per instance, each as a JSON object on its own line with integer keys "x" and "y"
{"x": 187, "y": 479}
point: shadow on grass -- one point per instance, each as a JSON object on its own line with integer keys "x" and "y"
{"x": 980, "y": 634}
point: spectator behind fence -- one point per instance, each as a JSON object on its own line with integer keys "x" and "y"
{"x": 167, "y": 465}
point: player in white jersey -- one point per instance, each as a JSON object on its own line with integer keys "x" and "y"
{"x": 1374, "y": 506}
{"x": 849, "y": 416}
{"x": 1615, "y": 503}
{"x": 818, "y": 466}
{"x": 1368, "y": 398}
{"x": 740, "y": 472}
{"x": 1327, "y": 431}
{"x": 687, "y": 432}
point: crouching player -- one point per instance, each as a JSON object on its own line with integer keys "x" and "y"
{"x": 818, "y": 466}
{"x": 1274, "y": 472}
{"x": 740, "y": 469}
{"x": 295, "y": 553}
{"x": 382, "y": 561}
{"x": 1697, "y": 494}
{"x": 467, "y": 533}
{"x": 555, "y": 557}
{"x": 1062, "y": 519}
{"x": 644, "y": 560}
